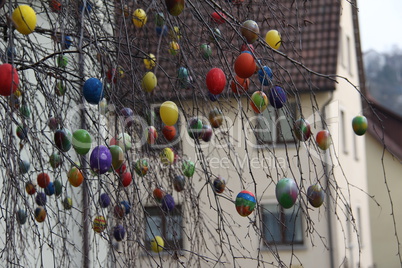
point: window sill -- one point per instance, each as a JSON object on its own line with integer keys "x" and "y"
{"x": 285, "y": 247}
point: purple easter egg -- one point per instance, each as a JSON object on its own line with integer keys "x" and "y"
{"x": 168, "y": 203}
{"x": 101, "y": 159}
{"x": 104, "y": 200}
{"x": 277, "y": 97}
{"x": 119, "y": 232}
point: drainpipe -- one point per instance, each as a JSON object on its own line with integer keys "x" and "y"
{"x": 329, "y": 216}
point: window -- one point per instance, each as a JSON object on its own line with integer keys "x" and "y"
{"x": 343, "y": 132}
{"x": 276, "y": 125}
{"x": 348, "y": 55}
{"x": 166, "y": 225}
{"x": 355, "y": 147}
{"x": 281, "y": 226}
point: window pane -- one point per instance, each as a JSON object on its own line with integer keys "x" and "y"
{"x": 265, "y": 129}
{"x": 173, "y": 228}
{"x": 285, "y": 121}
{"x": 293, "y": 228}
{"x": 272, "y": 231}
{"x": 153, "y": 227}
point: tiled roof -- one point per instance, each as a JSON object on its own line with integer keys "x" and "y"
{"x": 309, "y": 29}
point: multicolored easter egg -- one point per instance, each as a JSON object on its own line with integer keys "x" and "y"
{"x": 315, "y": 195}
{"x": 244, "y": 65}
{"x": 302, "y": 129}
{"x": 151, "y": 134}
{"x": 273, "y": 39}
{"x": 104, "y": 200}
{"x": 63, "y": 139}
{"x": 82, "y": 141}
{"x": 117, "y": 156}
{"x": 265, "y": 75}
{"x": 215, "y": 117}
{"x": 24, "y": 19}
{"x": 286, "y": 192}
{"x": 277, "y": 97}
{"x": 75, "y": 176}
{"x": 360, "y": 125}
{"x": 49, "y": 190}
{"x": 40, "y": 199}
{"x": 157, "y": 244}
{"x": 216, "y": 81}
{"x": 9, "y": 79}
{"x": 167, "y": 156}
{"x": 43, "y": 180}
{"x": 55, "y": 160}
{"x": 175, "y": 7}
{"x": 245, "y": 203}
{"x": 206, "y": 133}
{"x": 40, "y": 214}
{"x": 250, "y": 30}
{"x": 123, "y": 140}
{"x": 188, "y": 168}
{"x": 141, "y": 167}
{"x": 240, "y": 85}
{"x": 24, "y": 166}
{"x": 158, "y": 194}
{"x": 259, "y": 102}
{"x": 194, "y": 127}
{"x": 169, "y": 132}
{"x": 174, "y": 48}
{"x": 100, "y": 160}
{"x": 67, "y": 203}
{"x": 21, "y": 216}
{"x": 22, "y": 132}
{"x": 58, "y": 187}
{"x": 99, "y": 224}
{"x": 139, "y": 18}
{"x": 219, "y": 185}
{"x": 93, "y": 90}
{"x": 126, "y": 178}
{"x": 323, "y": 139}
{"x": 169, "y": 113}
{"x": 30, "y": 188}
{"x": 168, "y": 203}
{"x": 119, "y": 232}
{"x": 178, "y": 183}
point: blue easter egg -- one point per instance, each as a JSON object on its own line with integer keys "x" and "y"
{"x": 49, "y": 190}
{"x": 93, "y": 90}
{"x": 277, "y": 97}
{"x": 265, "y": 75}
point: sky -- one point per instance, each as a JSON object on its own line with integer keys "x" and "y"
{"x": 380, "y": 24}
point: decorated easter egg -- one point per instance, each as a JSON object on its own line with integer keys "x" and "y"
{"x": 123, "y": 140}
{"x": 216, "y": 81}
{"x": 67, "y": 203}
{"x": 215, "y": 117}
{"x": 167, "y": 203}
{"x": 82, "y": 141}
{"x": 150, "y": 61}
{"x": 126, "y": 179}
{"x": 206, "y": 51}
{"x": 40, "y": 199}
{"x": 53, "y": 123}
{"x": 277, "y": 97}
{"x": 43, "y": 180}
{"x": 302, "y": 129}
{"x": 323, "y": 139}
{"x": 24, "y": 18}
{"x": 99, "y": 224}
{"x": 359, "y": 124}
{"x": 158, "y": 194}
{"x": 21, "y": 216}
{"x": 114, "y": 74}
{"x": 175, "y": 7}
{"x": 149, "y": 82}
{"x": 265, "y": 75}
{"x": 206, "y": 133}
{"x": 157, "y": 244}
{"x": 315, "y": 195}
{"x": 244, "y": 65}
{"x": 219, "y": 185}
{"x": 151, "y": 134}
{"x": 93, "y": 90}
{"x": 119, "y": 232}
{"x": 250, "y": 30}
{"x": 62, "y": 61}
{"x": 188, "y": 168}
{"x": 40, "y": 214}
{"x": 194, "y": 127}
{"x": 218, "y": 17}
{"x": 167, "y": 156}
{"x": 101, "y": 159}
{"x": 117, "y": 156}
{"x": 55, "y": 160}
{"x": 179, "y": 182}
{"x": 75, "y": 177}
{"x": 104, "y": 200}
{"x": 273, "y": 39}
{"x": 259, "y": 101}
{"x": 24, "y": 166}
{"x": 286, "y": 192}
{"x": 30, "y": 188}
{"x": 68, "y": 41}
{"x": 169, "y": 113}
{"x": 139, "y": 18}
{"x": 174, "y": 48}
{"x": 55, "y": 6}
{"x": 127, "y": 207}
{"x": 141, "y": 167}
{"x": 22, "y": 132}
{"x": 240, "y": 85}
{"x": 245, "y": 203}
{"x": 58, "y": 187}
{"x": 169, "y": 132}
{"x": 49, "y": 190}
{"x": 63, "y": 139}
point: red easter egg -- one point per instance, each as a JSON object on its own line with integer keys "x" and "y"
{"x": 43, "y": 180}
{"x": 244, "y": 65}
{"x": 240, "y": 85}
{"x": 126, "y": 179}
{"x": 218, "y": 17}
{"x": 8, "y": 79}
{"x": 158, "y": 194}
{"x": 216, "y": 81}
{"x": 169, "y": 132}
{"x": 323, "y": 139}
{"x": 247, "y": 47}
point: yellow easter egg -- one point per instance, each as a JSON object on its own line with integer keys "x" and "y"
{"x": 149, "y": 82}
{"x": 169, "y": 113}
{"x": 24, "y": 18}
{"x": 150, "y": 61}
{"x": 273, "y": 39}
{"x": 157, "y": 244}
{"x": 139, "y": 18}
